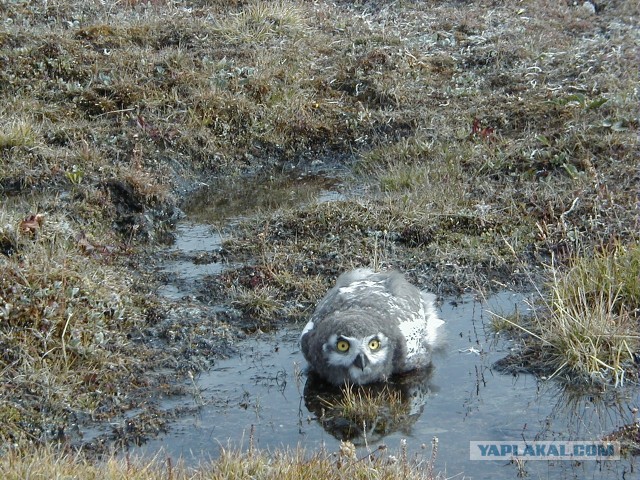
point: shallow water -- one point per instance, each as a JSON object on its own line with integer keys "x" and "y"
{"x": 264, "y": 394}
{"x": 191, "y": 257}
{"x": 224, "y": 201}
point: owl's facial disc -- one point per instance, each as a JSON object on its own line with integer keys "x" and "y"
{"x": 361, "y": 357}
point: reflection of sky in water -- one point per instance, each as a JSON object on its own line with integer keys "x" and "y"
{"x": 219, "y": 204}
{"x": 181, "y": 262}
{"x": 467, "y": 401}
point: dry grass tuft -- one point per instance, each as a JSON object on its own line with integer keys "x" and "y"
{"x": 587, "y": 326}
{"x": 282, "y": 465}
{"x": 258, "y": 21}
{"x": 364, "y": 406}
{"x": 18, "y": 134}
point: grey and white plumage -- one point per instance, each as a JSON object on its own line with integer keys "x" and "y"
{"x": 370, "y": 326}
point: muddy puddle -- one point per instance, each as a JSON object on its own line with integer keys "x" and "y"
{"x": 197, "y": 250}
{"x": 228, "y": 201}
{"x": 263, "y": 396}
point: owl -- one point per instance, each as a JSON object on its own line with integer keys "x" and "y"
{"x": 370, "y": 326}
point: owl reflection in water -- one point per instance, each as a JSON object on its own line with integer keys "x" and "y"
{"x": 369, "y": 327}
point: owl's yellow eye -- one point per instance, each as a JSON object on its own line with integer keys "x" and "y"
{"x": 342, "y": 345}
{"x": 374, "y": 344}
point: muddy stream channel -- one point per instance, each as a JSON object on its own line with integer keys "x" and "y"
{"x": 262, "y": 396}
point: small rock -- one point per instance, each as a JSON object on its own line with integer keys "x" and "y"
{"x": 589, "y": 7}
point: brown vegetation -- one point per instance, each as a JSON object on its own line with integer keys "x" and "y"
{"x": 487, "y": 138}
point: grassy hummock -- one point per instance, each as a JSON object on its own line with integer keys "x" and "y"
{"x": 585, "y": 324}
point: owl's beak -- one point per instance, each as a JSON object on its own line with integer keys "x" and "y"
{"x": 361, "y": 361}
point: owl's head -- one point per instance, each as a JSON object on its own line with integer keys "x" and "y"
{"x": 351, "y": 347}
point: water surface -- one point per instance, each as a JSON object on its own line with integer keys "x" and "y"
{"x": 262, "y": 393}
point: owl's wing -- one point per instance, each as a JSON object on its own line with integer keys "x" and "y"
{"x": 433, "y": 323}
{"x": 420, "y": 330}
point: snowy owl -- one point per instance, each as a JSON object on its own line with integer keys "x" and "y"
{"x": 370, "y": 326}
